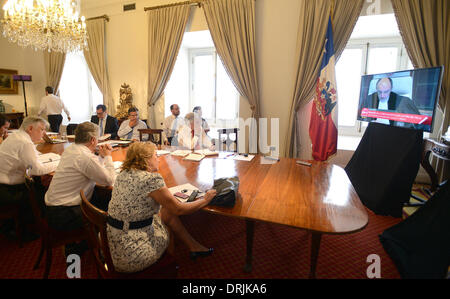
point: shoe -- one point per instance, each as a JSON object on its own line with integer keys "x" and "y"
{"x": 195, "y": 254}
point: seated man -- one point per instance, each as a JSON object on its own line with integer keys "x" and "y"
{"x": 191, "y": 135}
{"x": 385, "y": 99}
{"x": 79, "y": 169}
{"x": 107, "y": 124}
{"x": 172, "y": 123}
{"x": 4, "y": 126}
{"x": 129, "y": 129}
{"x": 17, "y": 153}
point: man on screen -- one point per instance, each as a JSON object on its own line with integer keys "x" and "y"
{"x": 385, "y": 99}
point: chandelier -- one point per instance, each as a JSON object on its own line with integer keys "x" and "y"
{"x": 45, "y": 24}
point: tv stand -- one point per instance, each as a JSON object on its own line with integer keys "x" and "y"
{"x": 384, "y": 167}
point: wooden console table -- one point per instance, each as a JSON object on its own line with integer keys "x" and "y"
{"x": 15, "y": 119}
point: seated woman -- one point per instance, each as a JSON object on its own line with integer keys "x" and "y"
{"x": 139, "y": 194}
{"x": 191, "y": 134}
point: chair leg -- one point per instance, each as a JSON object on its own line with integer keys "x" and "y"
{"x": 48, "y": 261}
{"x": 38, "y": 262}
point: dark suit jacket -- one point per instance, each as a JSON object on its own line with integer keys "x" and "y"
{"x": 111, "y": 126}
{"x": 396, "y": 103}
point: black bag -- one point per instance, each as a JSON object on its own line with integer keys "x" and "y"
{"x": 227, "y": 191}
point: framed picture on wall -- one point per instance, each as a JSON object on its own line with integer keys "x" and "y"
{"x": 7, "y": 84}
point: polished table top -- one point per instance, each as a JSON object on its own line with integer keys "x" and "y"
{"x": 319, "y": 198}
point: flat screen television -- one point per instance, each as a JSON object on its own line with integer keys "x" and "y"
{"x": 403, "y": 99}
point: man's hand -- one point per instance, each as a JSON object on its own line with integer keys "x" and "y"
{"x": 104, "y": 150}
{"x": 69, "y": 118}
{"x": 133, "y": 123}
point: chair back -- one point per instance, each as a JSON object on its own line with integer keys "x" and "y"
{"x": 98, "y": 239}
{"x": 228, "y": 144}
{"x": 152, "y": 133}
{"x": 36, "y": 208}
{"x": 70, "y": 130}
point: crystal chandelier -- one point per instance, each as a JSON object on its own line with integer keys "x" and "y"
{"x": 45, "y": 24}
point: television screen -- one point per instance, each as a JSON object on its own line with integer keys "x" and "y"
{"x": 403, "y": 99}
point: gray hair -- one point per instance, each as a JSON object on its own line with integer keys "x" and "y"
{"x": 32, "y": 121}
{"x": 85, "y": 132}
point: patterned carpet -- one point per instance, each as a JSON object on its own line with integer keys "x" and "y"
{"x": 279, "y": 252}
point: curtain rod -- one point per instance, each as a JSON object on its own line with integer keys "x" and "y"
{"x": 99, "y": 17}
{"x": 193, "y": 2}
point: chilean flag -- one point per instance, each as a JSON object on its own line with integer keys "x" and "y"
{"x": 324, "y": 114}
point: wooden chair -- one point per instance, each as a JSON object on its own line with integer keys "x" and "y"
{"x": 95, "y": 218}
{"x": 70, "y": 129}
{"x": 12, "y": 211}
{"x": 152, "y": 133}
{"x": 50, "y": 238}
{"x": 231, "y": 145}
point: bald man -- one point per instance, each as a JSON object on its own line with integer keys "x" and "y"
{"x": 385, "y": 99}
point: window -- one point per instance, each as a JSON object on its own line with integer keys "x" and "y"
{"x": 374, "y": 47}
{"x": 199, "y": 79}
{"x": 78, "y": 89}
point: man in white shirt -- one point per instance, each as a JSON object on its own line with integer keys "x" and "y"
{"x": 191, "y": 135}
{"x": 17, "y": 153}
{"x": 129, "y": 129}
{"x": 53, "y": 107}
{"x": 172, "y": 123}
{"x": 79, "y": 169}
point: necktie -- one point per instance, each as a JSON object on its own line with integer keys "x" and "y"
{"x": 130, "y": 134}
{"x": 101, "y": 126}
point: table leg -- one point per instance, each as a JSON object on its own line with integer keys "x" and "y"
{"x": 250, "y": 229}
{"x": 315, "y": 245}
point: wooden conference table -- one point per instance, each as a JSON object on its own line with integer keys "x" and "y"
{"x": 319, "y": 199}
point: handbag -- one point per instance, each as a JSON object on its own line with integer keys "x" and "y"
{"x": 227, "y": 190}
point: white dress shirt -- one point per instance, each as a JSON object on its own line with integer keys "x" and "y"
{"x": 125, "y": 129}
{"x": 52, "y": 104}
{"x": 185, "y": 139}
{"x": 171, "y": 125}
{"x": 383, "y": 105}
{"x": 17, "y": 152}
{"x": 79, "y": 169}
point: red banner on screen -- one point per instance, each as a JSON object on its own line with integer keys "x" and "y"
{"x": 404, "y": 117}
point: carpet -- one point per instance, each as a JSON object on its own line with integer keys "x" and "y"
{"x": 279, "y": 252}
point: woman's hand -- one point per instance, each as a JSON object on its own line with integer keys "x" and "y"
{"x": 209, "y": 195}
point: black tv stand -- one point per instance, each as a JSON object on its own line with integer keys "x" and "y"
{"x": 384, "y": 167}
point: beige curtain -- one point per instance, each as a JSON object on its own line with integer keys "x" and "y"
{"x": 96, "y": 59}
{"x": 166, "y": 29}
{"x": 54, "y": 65}
{"x": 232, "y": 27}
{"x": 312, "y": 28}
{"x": 425, "y": 29}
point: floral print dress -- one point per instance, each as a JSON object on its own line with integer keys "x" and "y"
{"x": 136, "y": 249}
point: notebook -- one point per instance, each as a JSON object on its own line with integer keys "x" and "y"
{"x": 48, "y": 158}
{"x": 206, "y": 152}
{"x": 194, "y": 157}
{"x": 185, "y": 189}
{"x": 180, "y": 153}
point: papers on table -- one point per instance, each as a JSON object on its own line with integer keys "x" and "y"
{"x": 71, "y": 136}
{"x": 235, "y": 156}
{"x": 194, "y": 157}
{"x": 49, "y": 158}
{"x": 162, "y": 152}
{"x": 114, "y": 143}
{"x": 180, "y": 153}
{"x": 206, "y": 152}
{"x": 185, "y": 189}
{"x": 102, "y": 138}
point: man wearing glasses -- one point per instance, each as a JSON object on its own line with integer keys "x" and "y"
{"x": 107, "y": 124}
{"x": 129, "y": 129}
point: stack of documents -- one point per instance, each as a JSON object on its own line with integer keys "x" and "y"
{"x": 235, "y": 156}
{"x": 162, "y": 152}
{"x": 49, "y": 158}
{"x": 181, "y": 153}
{"x": 206, "y": 152}
{"x": 194, "y": 157}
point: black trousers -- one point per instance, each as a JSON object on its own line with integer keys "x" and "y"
{"x": 55, "y": 121}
